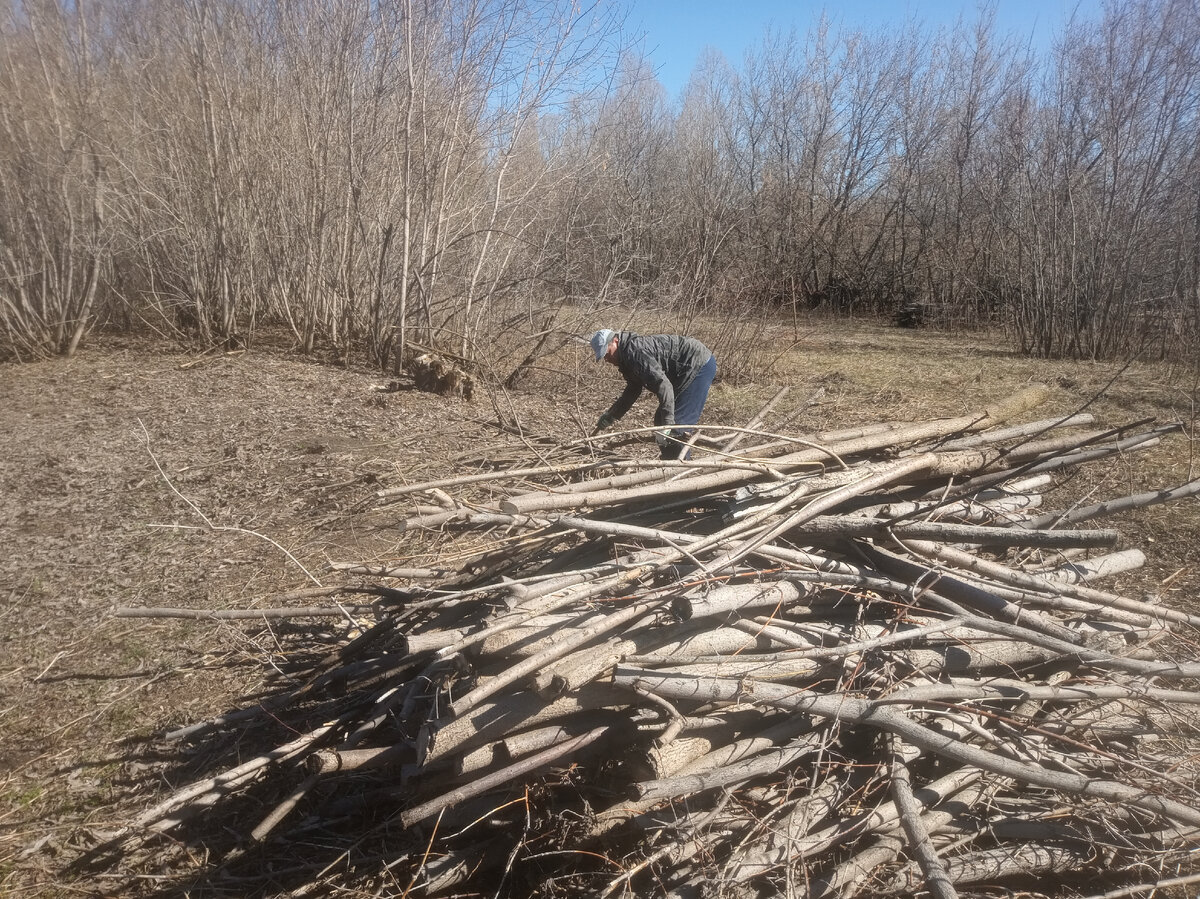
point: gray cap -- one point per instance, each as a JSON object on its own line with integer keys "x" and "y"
{"x": 600, "y": 341}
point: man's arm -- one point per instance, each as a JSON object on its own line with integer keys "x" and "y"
{"x": 625, "y": 401}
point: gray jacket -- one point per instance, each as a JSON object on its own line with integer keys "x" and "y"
{"x": 664, "y": 364}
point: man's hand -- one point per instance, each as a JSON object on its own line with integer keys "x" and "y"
{"x": 662, "y": 436}
{"x": 605, "y": 422}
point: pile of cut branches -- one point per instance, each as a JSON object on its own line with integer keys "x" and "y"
{"x": 856, "y": 663}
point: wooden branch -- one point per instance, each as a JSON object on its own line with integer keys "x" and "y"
{"x": 1004, "y": 574}
{"x": 1027, "y": 860}
{"x": 246, "y": 614}
{"x": 886, "y": 475}
{"x": 937, "y": 881}
{"x": 499, "y": 778}
{"x": 411, "y": 574}
{"x": 1060, "y": 461}
{"x": 249, "y": 767}
{"x": 960, "y": 691}
{"x": 485, "y": 476}
{"x": 754, "y": 422}
{"x": 962, "y": 591}
{"x": 1017, "y": 432}
{"x": 281, "y": 811}
{"x": 528, "y": 666}
{"x": 330, "y": 761}
{"x": 585, "y": 666}
{"x": 886, "y": 816}
{"x": 1116, "y": 506}
{"x": 531, "y": 634}
{"x": 761, "y": 857}
{"x": 858, "y": 711}
{"x": 977, "y": 510}
{"x": 1096, "y": 568}
{"x": 617, "y": 491}
{"x": 980, "y": 535}
{"x": 1151, "y": 887}
{"x": 491, "y": 722}
{"x": 740, "y": 598}
{"x": 766, "y": 761}
{"x": 541, "y": 605}
{"x": 749, "y": 668}
{"x": 516, "y": 746}
{"x": 431, "y": 641}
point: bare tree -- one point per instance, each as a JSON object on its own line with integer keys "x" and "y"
{"x": 429, "y": 174}
{"x": 1106, "y": 173}
{"x": 982, "y": 72}
{"x": 53, "y": 177}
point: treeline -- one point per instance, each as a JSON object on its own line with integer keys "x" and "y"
{"x": 468, "y": 174}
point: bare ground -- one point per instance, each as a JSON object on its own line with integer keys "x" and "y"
{"x": 142, "y": 475}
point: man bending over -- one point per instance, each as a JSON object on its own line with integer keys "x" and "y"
{"x": 678, "y": 370}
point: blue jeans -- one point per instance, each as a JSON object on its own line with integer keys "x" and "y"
{"x": 689, "y": 403}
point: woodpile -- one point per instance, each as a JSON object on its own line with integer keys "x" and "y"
{"x": 859, "y": 663}
{"x": 434, "y": 373}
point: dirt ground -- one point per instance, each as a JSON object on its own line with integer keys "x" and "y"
{"x": 144, "y": 475}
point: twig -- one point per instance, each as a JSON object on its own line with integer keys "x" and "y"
{"x": 936, "y": 880}
{"x": 208, "y": 525}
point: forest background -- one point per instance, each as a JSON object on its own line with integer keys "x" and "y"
{"x": 491, "y": 178}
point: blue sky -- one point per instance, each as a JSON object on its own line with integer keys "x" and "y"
{"x": 676, "y": 31}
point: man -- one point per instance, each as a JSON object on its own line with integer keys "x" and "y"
{"x": 678, "y": 370}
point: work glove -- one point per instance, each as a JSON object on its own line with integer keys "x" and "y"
{"x": 662, "y": 436}
{"x": 605, "y": 422}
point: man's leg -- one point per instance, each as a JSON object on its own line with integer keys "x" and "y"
{"x": 689, "y": 403}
